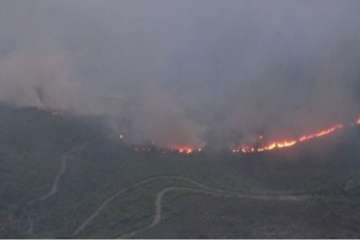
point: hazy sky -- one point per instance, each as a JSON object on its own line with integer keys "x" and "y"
{"x": 186, "y": 71}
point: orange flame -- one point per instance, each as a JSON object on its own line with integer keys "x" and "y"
{"x": 288, "y": 143}
{"x": 253, "y": 148}
{"x": 321, "y": 133}
{"x": 186, "y": 149}
{"x": 274, "y": 145}
{"x": 268, "y": 147}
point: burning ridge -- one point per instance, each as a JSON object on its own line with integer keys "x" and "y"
{"x": 260, "y": 147}
{"x": 286, "y": 143}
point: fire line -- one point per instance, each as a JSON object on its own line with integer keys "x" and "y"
{"x": 287, "y": 143}
{"x": 259, "y": 147}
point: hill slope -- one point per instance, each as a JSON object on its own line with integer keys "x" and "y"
{"x": 61, "y": 176}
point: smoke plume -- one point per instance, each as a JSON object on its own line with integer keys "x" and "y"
{"x": 186, "y": 72}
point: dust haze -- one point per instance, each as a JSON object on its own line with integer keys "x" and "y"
{"x": 185, "y": 72}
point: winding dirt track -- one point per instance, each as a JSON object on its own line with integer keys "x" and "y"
{"x": 107, "y": 201}
{"x": 218, "y": 193}
{"x": 62, "y": 170}
{"x": 53, "y": 190}
{"x": 30, "y": 228}
{"x": 55, "y": 186}
{"x": 201, "y": 188}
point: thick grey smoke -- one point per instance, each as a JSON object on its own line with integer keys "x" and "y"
{"x": 42, "y": 81}
{"x": 186, "y": 72}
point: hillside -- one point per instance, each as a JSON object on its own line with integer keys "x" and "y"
{"x": 63, "y": 176}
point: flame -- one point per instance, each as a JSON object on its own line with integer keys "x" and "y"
{"x": 321, "y": 133}
{"x": 187, "y": 150}
{"x": 274, "y": 145}
{"x": 253, "y": 148}
{"x": 268, "y": 147}
{"x": 289, "y": 142}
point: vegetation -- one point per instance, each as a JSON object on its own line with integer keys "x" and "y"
{"x": 100, "y": 170}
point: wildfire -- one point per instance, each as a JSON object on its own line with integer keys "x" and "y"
{"x": 289, "y": 142}
{"x": 274, "y": 145}
{"x": 321, "y": 133}
{"x": 261, "y": 146}
{"x": 186, "y": 149}
{"x": 244, "y": 149}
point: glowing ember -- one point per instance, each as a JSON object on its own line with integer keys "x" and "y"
{"x": 358, "y": 121}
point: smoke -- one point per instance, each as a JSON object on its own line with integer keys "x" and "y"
{"x": 39, "y": 81}
{"x": 186, "y": 72}
{"x": 158, "y": 117}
